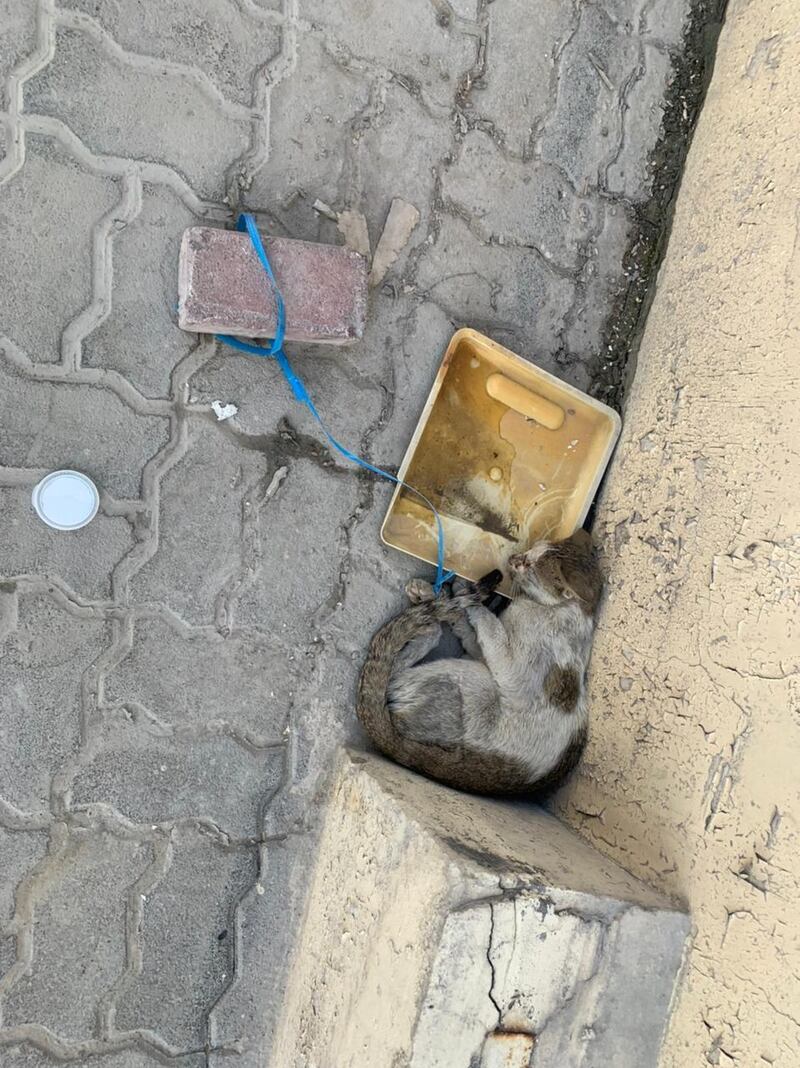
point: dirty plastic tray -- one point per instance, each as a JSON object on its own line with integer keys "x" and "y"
{"x": 501, "y": 477}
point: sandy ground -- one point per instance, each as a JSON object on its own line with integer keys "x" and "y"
{"x": 691, "y": 777}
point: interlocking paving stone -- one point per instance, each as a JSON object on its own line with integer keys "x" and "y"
{"x": 50, "y": 207}
{"x": 187, "y": 940}
{"x": 78, "y": 936}
{"x": 41, "y": 668}
{"x": 140, "y": 338}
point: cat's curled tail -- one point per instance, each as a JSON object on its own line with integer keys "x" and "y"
{"x": 454, "y": 765}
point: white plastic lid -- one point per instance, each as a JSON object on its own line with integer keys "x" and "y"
{"x": 66, "y": 500}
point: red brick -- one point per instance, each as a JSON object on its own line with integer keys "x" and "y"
{"x": 223, "y": 289}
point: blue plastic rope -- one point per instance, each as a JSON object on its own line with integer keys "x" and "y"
{"x": 247, "y": 223}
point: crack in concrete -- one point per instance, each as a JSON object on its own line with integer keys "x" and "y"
{"x": 492, "y": 998}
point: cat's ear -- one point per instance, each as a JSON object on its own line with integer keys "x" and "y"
{"x": 582, "y": 578}
{"x": 582, "y": 539}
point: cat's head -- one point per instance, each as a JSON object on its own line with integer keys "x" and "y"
{"x": 555, "y": 572}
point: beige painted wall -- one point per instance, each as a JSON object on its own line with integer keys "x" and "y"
{"x": 692, "y": 776}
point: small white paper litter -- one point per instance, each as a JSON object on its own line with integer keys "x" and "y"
{"x": 223, "y": 411}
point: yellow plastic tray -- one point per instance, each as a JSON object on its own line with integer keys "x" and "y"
{"x": 499, "y": 478}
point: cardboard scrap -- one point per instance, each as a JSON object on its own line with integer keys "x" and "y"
{"x": 353, "y": 227}
{"x": 400, "y": 222}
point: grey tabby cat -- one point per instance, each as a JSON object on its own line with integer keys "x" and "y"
{"x": 510, "y": 717}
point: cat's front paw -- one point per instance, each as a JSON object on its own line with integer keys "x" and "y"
{"x": 418, "y": 591}
{"x": 477, "y": 591}
{"x": 489, "y": 583}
